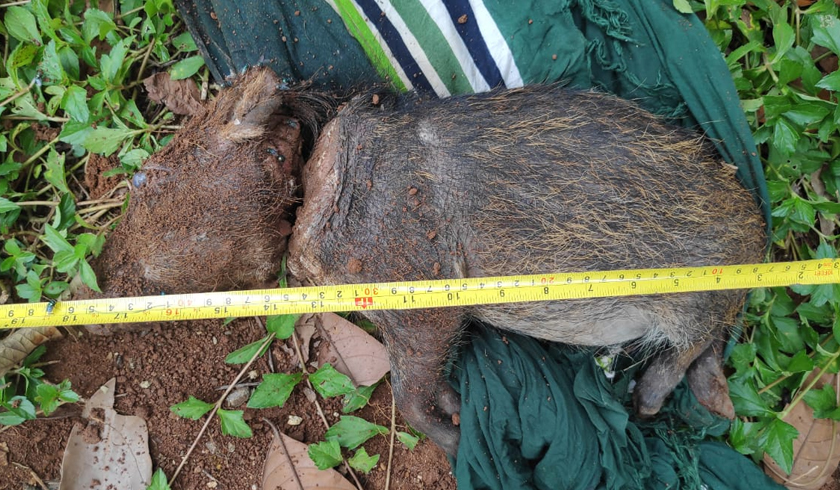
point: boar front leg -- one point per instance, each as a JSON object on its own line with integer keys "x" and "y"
{"x": 419, "y": 343}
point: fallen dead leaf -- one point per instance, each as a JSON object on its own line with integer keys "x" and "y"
{"x": 180, "y": 96}
{"x": 827, "y": 226}
{"x": 352, "y": 351}
{"x": 288, "y": 467}
{"x": 305, "y": 329}
{"x": 4, "y": 454}
{"x": 19, "y": 343}
{"x": 111, "y": 452}
{"x": 816, "y": 452}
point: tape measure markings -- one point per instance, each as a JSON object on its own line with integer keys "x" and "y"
{"x": 419, "y": 294}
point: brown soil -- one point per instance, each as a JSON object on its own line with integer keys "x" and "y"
{"x": 179, "y": 360}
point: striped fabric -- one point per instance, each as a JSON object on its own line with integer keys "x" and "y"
{"x": 443, "y": 47}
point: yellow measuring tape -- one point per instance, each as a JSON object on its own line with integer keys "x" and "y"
{"x": 419, "y": 294}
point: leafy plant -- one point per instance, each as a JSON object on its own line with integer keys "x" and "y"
{"x": 783, "y": 57}
{"x": 23, "y": 392}
{"x": 68, "y": 90}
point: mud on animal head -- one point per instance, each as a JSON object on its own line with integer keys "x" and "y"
{"x": 210, "y": 210}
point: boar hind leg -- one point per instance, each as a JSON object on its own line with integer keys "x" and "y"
{"x": 708, "y": 383}
{"x": 419, "y": 343}
{"x": 662, "y": 376}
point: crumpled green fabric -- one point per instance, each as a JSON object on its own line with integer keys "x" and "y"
{"x": 537, "y": 415}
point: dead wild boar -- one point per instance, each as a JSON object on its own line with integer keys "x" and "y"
{"x": 525, "y": 181}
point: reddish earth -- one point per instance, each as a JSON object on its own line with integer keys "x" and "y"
{"x": 179, "y": 360}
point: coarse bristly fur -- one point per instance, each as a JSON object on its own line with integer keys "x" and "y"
{"x": 524, "y": 181}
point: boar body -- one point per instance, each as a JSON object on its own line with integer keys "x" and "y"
{"x": 525, "y": 181}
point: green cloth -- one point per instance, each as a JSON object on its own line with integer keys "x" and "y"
{"x": 301, "y": 41}
{"x": 536, "y": 415}
{"x": 543, "y": 416}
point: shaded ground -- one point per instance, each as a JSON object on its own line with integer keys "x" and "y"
{"x": 179, "y": 360}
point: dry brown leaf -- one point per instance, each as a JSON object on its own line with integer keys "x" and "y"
{"x": 19, "y": 343}
{"x": 305, "y": 329}
{"x": 827, "y": 226}
{"x": 111, "y": 452}
{"x": 288, "y": 467}
{"x": 816, "y": 452}
{"x": 352, "y": 351}
{"x": 180, "y": 96}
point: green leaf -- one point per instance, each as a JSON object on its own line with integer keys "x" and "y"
{"x": 97, "y": 23}
{"x": 159, "y": 481}
{"x": 65, "y": 261}
{"x": 55, "y": 240}
{"x": 358, "y": 398}
{"x": 282, "y": 326}
{"x": 134, "y": 159}
{"x": 742, "y": 356}
{"x": 822, "y": 401}
{"x": 65, "y": 393}
{"x": 826, "y": 32}
{"x": 244, "y": 354}
{"x": 34, "y": 355}
{"x": 47, "y": 397}
{"x": 783, "y": 37}
{"x": 184, "y": 42}
{"x": 744, "y": 435}
{"x": 112, "y": 63}
{"x": 88, "y": 276}
{"x": 274, "y": 390}
{"x": 233, "y": 424}
{"x": 21, "y": 25}
{"x": 363, "y": 462}
{"x": 75, "y": 132}
{"x": 192, "y": 409}
{"x": 18, "y": 410}
{"x": 746, "y": 399}
{"x": 7, "y": 205}
{"x": 830, "y": 81}
{"x": 410, "y": 441}
{"x": 55, "y": 171}
{"x": 50, "y": 65}
{"x": 106, "y": 140}
{"x": 325, "y": 455}
{"x": 800, "y": 363}
{"x": 351, "y": 432}
{"x": 777, "y": 441}
{"x": 807, "y": 113}
{"x": 329, "y": 382}
{"x": 186, "y": 67}
{"x": 74, "y": 102}
{"x": 683, "y": 7}
{"x": 785, "y": 137}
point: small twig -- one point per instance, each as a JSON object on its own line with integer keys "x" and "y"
{"x": 19, "y": 93}
{"x": 21, "y": 2}
{"x": 285, "y": 452}
{"x": 391, "y": 447}
{"x": 240, "y": 385}
{"x": 218, "y": 405}
{"x": 33, "y": 475}
{"x": 318, "y": 406}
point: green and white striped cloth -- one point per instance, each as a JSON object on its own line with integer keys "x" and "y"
{"x": 462, "y": 46}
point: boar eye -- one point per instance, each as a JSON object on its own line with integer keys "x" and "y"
{"x": 139, "y": 179}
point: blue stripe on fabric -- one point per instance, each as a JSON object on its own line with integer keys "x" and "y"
{"x": 474, "y": 41}
{"x": 395, "y": 42}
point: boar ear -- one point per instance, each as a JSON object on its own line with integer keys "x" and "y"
{"x": 257, "y": 99}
